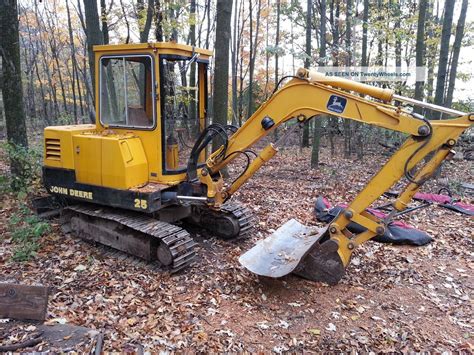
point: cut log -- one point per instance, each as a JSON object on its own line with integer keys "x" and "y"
{"x": 23, "y": 302}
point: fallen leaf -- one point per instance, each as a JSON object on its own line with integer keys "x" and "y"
{"x": 314, "y": 331}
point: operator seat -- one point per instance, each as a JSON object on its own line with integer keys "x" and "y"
{"x": 138, "y": 117}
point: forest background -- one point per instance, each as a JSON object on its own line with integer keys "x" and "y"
{"x": 267, "y": 40}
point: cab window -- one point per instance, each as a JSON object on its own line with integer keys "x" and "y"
{"x": 183, "y": 92}
{"x": 126, "y": 91}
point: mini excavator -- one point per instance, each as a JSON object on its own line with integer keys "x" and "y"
{"x": 133, "y": 179}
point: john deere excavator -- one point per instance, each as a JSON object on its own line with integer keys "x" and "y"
{"x": 144, "y": 165}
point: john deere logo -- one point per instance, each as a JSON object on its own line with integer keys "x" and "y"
{"x": 336, "y": 104}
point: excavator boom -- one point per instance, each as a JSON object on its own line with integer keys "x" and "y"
{"x": 323, "y": 256}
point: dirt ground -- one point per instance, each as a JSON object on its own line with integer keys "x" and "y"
{"x": 393, "y": 298}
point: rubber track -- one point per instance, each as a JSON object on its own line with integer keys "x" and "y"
{"x": 178, "y": 240}
{"x": 244, "y": 215}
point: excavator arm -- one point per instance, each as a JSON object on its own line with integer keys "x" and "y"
{"x": 309, "y": 94}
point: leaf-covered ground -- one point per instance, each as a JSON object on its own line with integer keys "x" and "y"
{"x": 393, "y": 298}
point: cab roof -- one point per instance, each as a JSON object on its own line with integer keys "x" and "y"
{"x": 162, "y": 47}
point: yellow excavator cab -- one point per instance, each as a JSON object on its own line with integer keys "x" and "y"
{"x": 151, "y": 102}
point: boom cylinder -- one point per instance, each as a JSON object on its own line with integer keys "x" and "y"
{"x": 433, "y": 107}
{"x": 341, "y": 83}
{"x": 265, "y": 155}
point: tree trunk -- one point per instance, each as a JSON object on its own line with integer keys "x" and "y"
{"x": 33, "y": 52}
{"x": 192, "y": 79}
{"x": 158, "y": 21}
{"x": 348, "y": 124}
{"x": 104, "y": 22}
{"x": 420, "y": 49}
{"x": 208, "y": 13}
{"x": 277, "y": 39}
{"x": 253, "y": 55}
{"x": 73, "y": 57}
{"x": 11, "y": 84}
{"x": 277, "y": 44}
{"x": 365, "y": 28}
{"x": 444, "y": 54}
{"x": 322, "y": 56}
{"x": 456, "y": 51}
{"x": 307, "y": 62}
{"x": 55, "y": 54}
{"x": 145, "y": 17}
{"x": 221, "y": 71}
{"x": 234, "y": 61}
{"x": 431, "y": 51}
{"x": 127, "y": 24}
{"x": 398, "y": 40}
{"x": 267, "y": 55}
{"x": 379, "y": 60}
{"x": 94, "y": 37}
{"x": 54, "y": 107}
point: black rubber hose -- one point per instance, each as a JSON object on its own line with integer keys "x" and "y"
{"x": 201, "y": 143}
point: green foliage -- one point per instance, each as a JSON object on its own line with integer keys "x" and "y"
{"x": 464, "y": 105}
{"x": 65, "y": 119}
{"x": 28, "y": 168}
{"x": 26, "y": 230}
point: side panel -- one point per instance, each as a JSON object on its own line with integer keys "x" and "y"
{"x": 124, "y": 164}
{"x": 88, "y": 159}
{"x": 58, "y": 145}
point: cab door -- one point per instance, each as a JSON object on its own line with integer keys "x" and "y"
{"x": 183, "y": 94}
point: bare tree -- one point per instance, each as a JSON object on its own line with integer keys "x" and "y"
{"x": 277, "y": 39}
{"x": 347, "y": 124}
{"x": 431, "y": 49}
{"x": 158, "y": 21}
{"x": 365, "y": 29}
{"x": 74, "y": 62}
{"x": 221, "y": 74}
{"x": 11, "y": 82}
{"x": 456, "y": 51}
{"x": 145, "y": 17}
{"x": 253, "y": 55}
{"x": 307, "y": 62}
{"x": 322, "y": 56}
{"x": 420, "y": 48}
{"x": 236, "y": 42}
{"x": 444, "y": 54}
{"x": 93, "y": 34}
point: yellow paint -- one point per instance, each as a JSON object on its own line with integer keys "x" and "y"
{"x": 58, "y": 147}
{"x": 316, "y": 77}
{"x": 265, "y": 155}
{"x": 124, "y": 164}
{"x": 88, "y": 158}
{"x": 172, "y": 158}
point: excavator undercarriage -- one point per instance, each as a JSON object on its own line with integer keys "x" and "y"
{"x": 150, "y": 239}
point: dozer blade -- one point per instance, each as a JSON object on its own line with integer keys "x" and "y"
{"x": 294, "y": 247}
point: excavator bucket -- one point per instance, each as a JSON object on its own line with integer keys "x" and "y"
{"x": 299, "y": 249}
